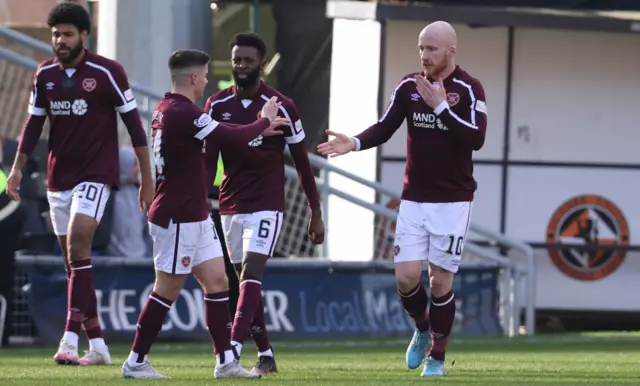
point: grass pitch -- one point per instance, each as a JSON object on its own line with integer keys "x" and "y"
{"x": 601, "y": 359}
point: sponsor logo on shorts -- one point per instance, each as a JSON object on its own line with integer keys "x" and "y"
{"x": 89, "y": 84}
{"x": 186, "y": 261}
{"x": 582, "y": 224}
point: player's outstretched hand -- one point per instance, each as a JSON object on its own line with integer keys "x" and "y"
{"x": 340, "y": 145}
{"x": 13, "y": 184}
{"x": 276, "y": 127}
{"x": 270, "y": 109}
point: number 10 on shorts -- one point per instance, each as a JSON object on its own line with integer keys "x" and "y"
{"x": 455, "y": 245}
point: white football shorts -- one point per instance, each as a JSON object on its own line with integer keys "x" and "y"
{"x": 252, "y": 232}
{"x": 181, "y": 246}
{"x": 435, "y": 232}
{"x": 88, "y": 198}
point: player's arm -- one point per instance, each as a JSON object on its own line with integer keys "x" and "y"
{"x": 390, "y": 121}
{"x": 30, "y": 134}
{"x": 32, "y": 130}
{"x": 211, "y": 148}
{"x": 126, "y": 105}
{"x": 207, "y": 128}
{"x": 466, "y": 121}
{"x": 295, "y": 138}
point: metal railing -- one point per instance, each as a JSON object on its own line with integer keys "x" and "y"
{"x": 293, "y": 241}
{"x": 25, "y": 53}
{"x": 384, "y": 239}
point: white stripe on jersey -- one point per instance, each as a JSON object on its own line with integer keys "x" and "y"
{"x": 393, "y": 97}
{"x": 296, "y": 136}
{"x": 471, "y": 124}
{"x": 202, "y": 134}
{"x": 218, "y": 101}
{"x": 126, "y": 105}
{"x": 33, "y": 109}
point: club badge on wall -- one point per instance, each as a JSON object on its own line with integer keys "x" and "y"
{"x": 587, "y": 229}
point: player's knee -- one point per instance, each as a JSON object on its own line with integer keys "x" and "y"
{"x": 212, "y": 275}
{"x": 253, "y": 266}
{"x": 216, "y": 282}
{"x": 408, "y": 276}
{"x": 80, "y": 237}
{"x": 168, "y": 286}
{"x": 78, "y": 248}
{"x": 440, "y": 281}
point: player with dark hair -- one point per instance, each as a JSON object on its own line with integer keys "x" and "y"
{"x": 446, "y": 116}
{"x": 252, "y": 190}
{"x": 184, "y": 239}
{"x": 81, "y": 93}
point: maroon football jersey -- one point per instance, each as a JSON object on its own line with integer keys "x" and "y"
{"x": 254, "y": 170}
{"x": 440, "y": 141}
{"x": 82, "y": 105}
{"x": 179, "y": 127}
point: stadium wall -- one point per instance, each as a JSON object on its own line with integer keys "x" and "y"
{"x": 560, "y": 158}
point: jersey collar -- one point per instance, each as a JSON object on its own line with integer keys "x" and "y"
{"x": 456, "y": 73}
{"x": 80, "y": 64}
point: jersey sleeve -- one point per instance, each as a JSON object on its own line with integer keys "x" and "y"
{"x": 202, "y": 125}
{"x": 390, "y": 120}
{"x": 121, "y": 93}
{"x": 467, "y": 121}
{"x": 37, "y": 98}
{"x": 295, "y": 132}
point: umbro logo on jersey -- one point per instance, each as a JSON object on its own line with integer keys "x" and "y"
{"x": 415, "y": 97}
{"x": 226, "y": 116}
{"x": 50, "y": 85}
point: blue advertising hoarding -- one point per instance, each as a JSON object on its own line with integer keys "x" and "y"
{"x": 303, "y": 302}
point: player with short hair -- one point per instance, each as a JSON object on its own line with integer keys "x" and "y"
{"x": 184, "y": 239}
{"x": 252, "y": 191}
{"x": 446, "y": 111}
{"x": 81, "y": 93}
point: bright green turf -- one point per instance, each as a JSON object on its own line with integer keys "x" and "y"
{"x": 594, "y": 359}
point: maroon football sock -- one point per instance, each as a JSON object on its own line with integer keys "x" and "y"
{"x": 149, "y": 324}
{"x": 80, "y": 287}
{"x": 250, "y": 294}
{"x": 91, "y": 323}
{"x": 442, "y": 314}
{"x": 259, "y": 328}
{"x": 218, "y": 318}
{"x": 415, "y": 303}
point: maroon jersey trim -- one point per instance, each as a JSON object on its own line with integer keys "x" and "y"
{"x": 175, "y": 250}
